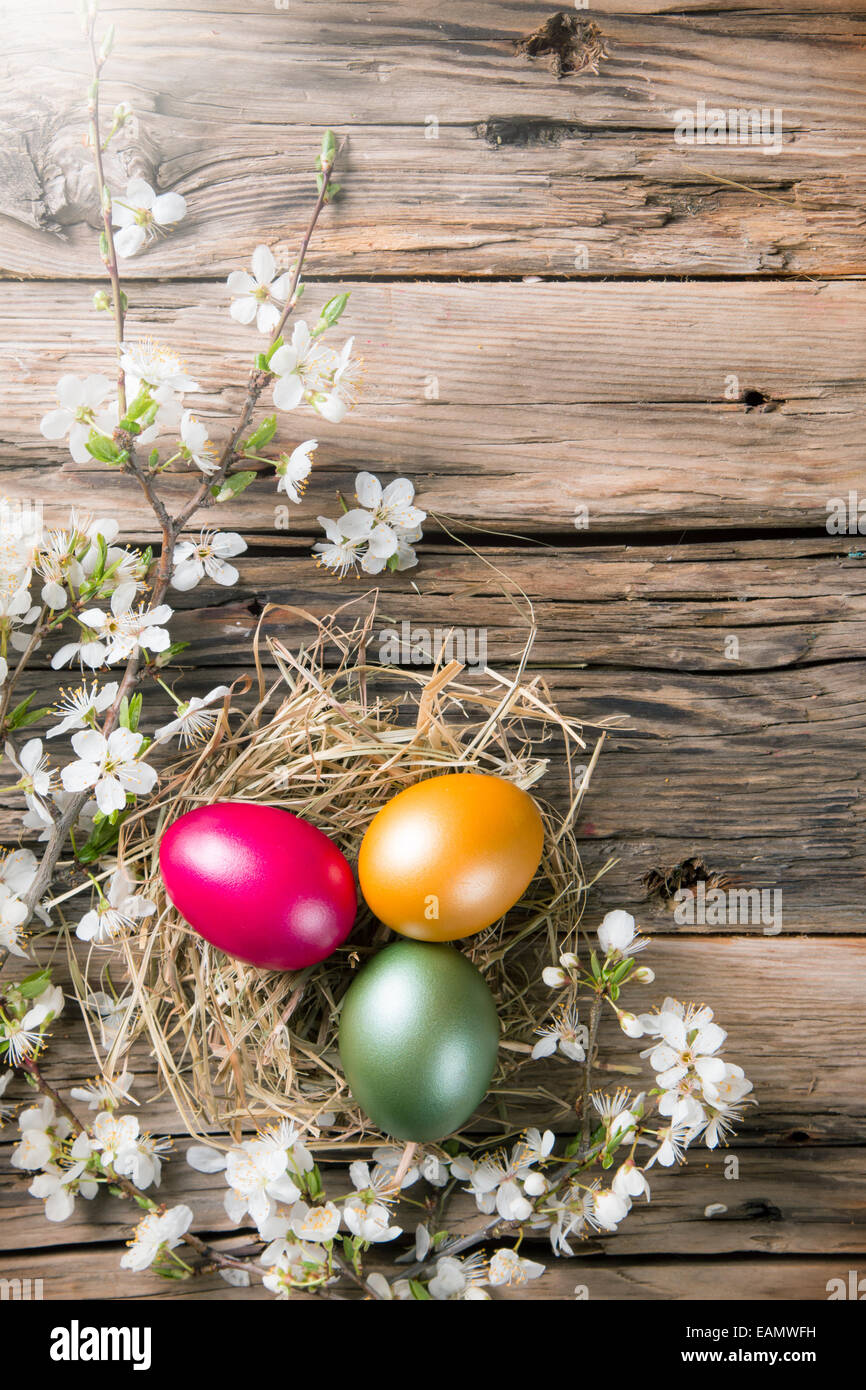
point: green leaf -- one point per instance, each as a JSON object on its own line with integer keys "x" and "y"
{"x": 22, "y": 715}
{"x": 234, "y": 485}
{"x": 261, "y": 436}
{"x": 331, "y": 313}
{"x": 618, "y": 975}
{"x": 129, "y": 712}
{"x": 596, "y": 968}
{"x": 329, "y": 147}
{"x": 105, "y": 449}
{"x": 153, "y": 458}
{"x": 103, "y": 837}
{"x": 392, "y": 562}
{"x": 140, "y": 405}
{"x": 33, "y": 985}
{"x": 277, "y": 343}
{"x": 419, "y": 1291}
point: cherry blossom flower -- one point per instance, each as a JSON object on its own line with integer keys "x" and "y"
{"x": 125, "y": 629}
{"x": 141, "y": 1160}
{"x": 109, "y": 765}
{"x": 104, "y": 1092}
{"x": 366, "y": 1215}
{"x": 207, "y": 556}
{"x": 60, "y": 1183}
{"x": 507, "y": 1267}
{"x": 142, "y": 215}
{"x": 42, "y": 1129}
{"x": 672, "y": 1147}
{"x": 81, "y": 410}
{"x": 89, "y": 650}
{"x": 392, "y": 506}
{"x": 299, "y": 1264}
{"x": 605, "y": 1209}
{"x": 259, "y": 296}
{"x": 353, "y": 540}
{"x": 18, "y": 870}
{"x": 193, "y": 719}
{"x": 617, "y": 934}
{"x": 629, "y": 1181}
{"x": 345, "y": 374}
{"x": 294, "y": 469}
{"x": 300, "y": 368}
{"x": 154, "y": 1234}
{"x": 36, "y": 780}
{"x": 457, "y": 1279}
{"x": 688, "y": 1044}
{"x": 195, "y": 447}
{"x": 13, "y": 914}
{"x": 80, "y": 707}
{"x": 257, "y": 1172}
{"x": 318, "y": 1223}
{"x": 116, "y": 912}
{"x": 567, "y": 1034}
{"x": 156, "y": 367}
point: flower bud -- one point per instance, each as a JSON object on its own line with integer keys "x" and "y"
{"x": 553, "y": 976}
{"x": 101, "y": 301}
{"x": 644, "y": 975}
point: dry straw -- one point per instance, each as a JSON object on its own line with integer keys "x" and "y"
{"x": 331, "y": 738}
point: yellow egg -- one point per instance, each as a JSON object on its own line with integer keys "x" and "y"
{"x": 449, "y": 856}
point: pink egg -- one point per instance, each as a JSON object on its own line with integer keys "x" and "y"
{"x": 259, "y": 883}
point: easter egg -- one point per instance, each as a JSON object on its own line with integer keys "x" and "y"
{"x": 259, "y": 883}
{"x": 418, "y": 1038}
{"x": 447, "y": 857}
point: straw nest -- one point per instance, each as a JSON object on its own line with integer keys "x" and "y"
{"x": 332, "y": 737}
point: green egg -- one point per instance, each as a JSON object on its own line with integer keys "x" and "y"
{"x": 418, "y": 1039}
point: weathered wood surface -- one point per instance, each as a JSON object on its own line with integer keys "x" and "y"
{"x": 734, "y": 760}
{"x": 526, "y": 174}
{"x": 82, "y": 1274}
{"x": 551, "y": 398}
{"x": 773, "y": 996}
{"x": 732, "y": 408}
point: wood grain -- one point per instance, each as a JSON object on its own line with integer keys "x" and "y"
{"x": 773, "y": 996}
{"x": 623, "y": 414}
{"x": 525, "y": 175}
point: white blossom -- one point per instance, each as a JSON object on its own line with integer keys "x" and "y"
{"x": 293, "y": 470}
{"x": 141, "y": 214}
{"x": 457, "y": 1279}
{"x": 193, "y": 719}
{"x": 116, "y": 912}
{"x": 193, "y": 560}
{"x": 507, "y": 1267}
{"x": 78, "y": 708}
{"x": 301, "y": 368}
{"x": 105, "y": 1092}
{"x": 36, "y": 780}
{"x": 567, "y": 1034}
{"x": 125, "y": 629}
{"x": 109, "y": 765}
{"x": 13, "y": 914}
{"x": 81, "y": 410}
{"x": 259, "y": 296}
{"x": 344, "y": 373}
{"x": 195, "y": 447}
{"x": 42, "y": 1129}
{"x": 154, "y": 1234}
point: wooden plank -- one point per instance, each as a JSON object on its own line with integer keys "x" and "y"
{"x": 784, "y": 1202}
{"x": 512, "y": 195}
{"x": 94, "y": 1273}
{"x": 641, "y": 634}
{"x": 526, "y": 175}
{"x": 322, "y": 66}
{"x": 627, "y": 418}
{"x": 773, "y": 996}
